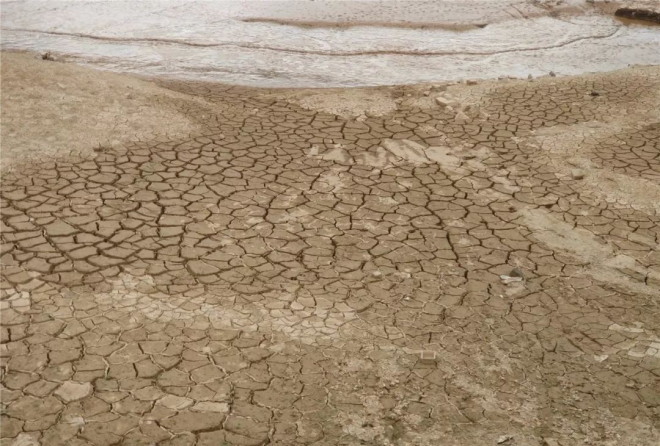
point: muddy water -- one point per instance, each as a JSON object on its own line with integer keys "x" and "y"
{"x": 329, "y": 44}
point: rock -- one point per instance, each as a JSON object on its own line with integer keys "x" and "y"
{"x": 517, "y": 272}
{"x": 552, "y": 74}
{"x": 530, "y": 77}
{"x": 638, "y": 14}
{"x": 443, "y": 101}
{"x": 577, "y": 174}
{"x": 461, "y": 118}
{"x": 471, "y": 82}
{"x": 47, "y": 56}
{"x": 508, "y": 279}
{"x": 594, "y": 94}
{"x": 73, "y": 391}
{"x": 427, "y": 356}
{"x": 504, "y": 439}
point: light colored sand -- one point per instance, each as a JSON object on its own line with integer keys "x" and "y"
{"x": 52, "y": 109}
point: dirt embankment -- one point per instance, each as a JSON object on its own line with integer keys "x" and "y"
{"x": 52, "y": 109}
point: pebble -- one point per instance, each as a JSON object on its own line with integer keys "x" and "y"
{"x": 517, "y": 272}
{"x": 443, "y": 101}
{"x": 508, "y": 279}
{"x": 427, "y": 356}
{"x": 577, "y": 174}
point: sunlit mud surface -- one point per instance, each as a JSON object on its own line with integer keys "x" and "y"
{"x": 321, "y": 44}
{"x": 417, "y": 266}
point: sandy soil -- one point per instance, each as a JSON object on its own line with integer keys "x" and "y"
{"x": 466, "y": 264}
{"x": 52, "y": 109}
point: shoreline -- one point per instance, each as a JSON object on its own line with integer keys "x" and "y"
{"x": 245, "y": 45}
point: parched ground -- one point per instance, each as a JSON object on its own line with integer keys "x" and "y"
{"x": 430, "y": 265}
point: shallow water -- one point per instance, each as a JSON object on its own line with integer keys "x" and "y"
{"x": 213, "y": 41}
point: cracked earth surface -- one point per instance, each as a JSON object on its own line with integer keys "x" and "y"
{"x": 474, "y": 264}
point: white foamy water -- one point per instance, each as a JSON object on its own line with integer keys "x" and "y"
{"x": 210, "y": 40}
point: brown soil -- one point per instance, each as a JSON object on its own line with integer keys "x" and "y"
{"x": 422, "y": 265}
{"x": 51, "y": 109}
{"x": 639, "y": 14}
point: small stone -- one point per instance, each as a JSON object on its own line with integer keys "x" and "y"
{"x": 461, "y": 118}
{"x": 530, "y": 77}
{"x": 508, "y": 279}
{"x": 440, "y": 100}
{"x": 427, "y": 356}
{"x": 471, "y": 82}
{"x": 73, "y": 391}
{"x": 577, "y": 174}
{"x": 552, "y": 74}
{"x": 504, "y": 439}
{"x": 594, "y": 93}
{"x": 517, "y": 272}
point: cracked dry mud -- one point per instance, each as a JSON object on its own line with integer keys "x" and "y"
{"x": 288, "y": 276}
